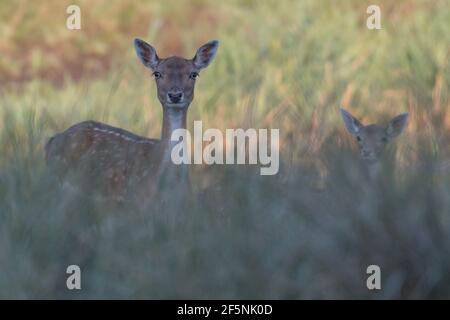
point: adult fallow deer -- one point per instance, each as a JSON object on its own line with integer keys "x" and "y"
{"x": 111, "y": 159}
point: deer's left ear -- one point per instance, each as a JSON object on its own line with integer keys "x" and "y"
{"x": 396, "y": 126}
{"x": 205, "y": 54}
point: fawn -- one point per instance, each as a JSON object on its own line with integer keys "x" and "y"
{"x": 117, "y": 158}
{"x": 372, "y": 138}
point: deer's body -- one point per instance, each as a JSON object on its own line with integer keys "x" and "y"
{"x": 115, "y": 158}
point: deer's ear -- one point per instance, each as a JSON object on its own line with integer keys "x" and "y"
{"x": 351, "y": 123}
{"x": 396, "y": 126}
{"x": 146, "y": 53}
{"x": 205, "y": 54}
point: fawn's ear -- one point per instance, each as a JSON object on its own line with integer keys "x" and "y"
{"x": 146, "y": 53}
{"x": 205, "y": 54}
{"x": 396, "y": 126}
{"x": 351, "y": 123}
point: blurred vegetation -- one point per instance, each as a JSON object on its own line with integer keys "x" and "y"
{"x": 281, "y": 64}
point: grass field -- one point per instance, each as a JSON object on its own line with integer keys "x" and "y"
{"x": 281, "y": 64}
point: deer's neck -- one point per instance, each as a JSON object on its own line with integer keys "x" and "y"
{"x": 170, "y": 174}
{"x": 173, "y": 118}
{"x": 374, "y": 170}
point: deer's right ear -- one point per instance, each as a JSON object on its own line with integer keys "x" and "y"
{"x": 351, "y": 123}
{"x": 146, "y": 53}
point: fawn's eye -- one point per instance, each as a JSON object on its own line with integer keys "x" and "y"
{"x": 193, "y": 75}
{"x": 358, "y": 138}
{"x": 384, "y": 140}
{"x": 157, "y": 75}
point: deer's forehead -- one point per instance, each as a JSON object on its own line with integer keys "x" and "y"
{"x": 176, "y": 65}
{"x": 373, "y": 131}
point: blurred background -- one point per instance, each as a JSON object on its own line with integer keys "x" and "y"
{"x": 281, "y": 64}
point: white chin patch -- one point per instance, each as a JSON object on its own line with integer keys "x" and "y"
{"x": 370, "y": 160}
{"x": 176, "y": 105}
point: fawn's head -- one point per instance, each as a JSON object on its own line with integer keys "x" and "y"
{"x": 372, "y": 139}
{"x": 175, "y": 76}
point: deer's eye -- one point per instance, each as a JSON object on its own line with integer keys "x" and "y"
{"x": 384, "y": 140}
{"x": 358, "y": 138}
{"x": 193, "y": 75}
{"x": 157, "y": 75}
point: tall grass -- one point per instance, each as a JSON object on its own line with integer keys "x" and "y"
{"x": 309, "y": 232}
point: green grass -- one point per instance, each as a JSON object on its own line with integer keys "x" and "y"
{"x": 286, "y": 65}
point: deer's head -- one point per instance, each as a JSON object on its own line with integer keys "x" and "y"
{"x": 372, "y": 138}
{"x": 175, "y": 77}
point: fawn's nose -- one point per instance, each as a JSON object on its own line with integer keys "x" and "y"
{"x": 367, "y": 153}
{"x": 175, "y": 96}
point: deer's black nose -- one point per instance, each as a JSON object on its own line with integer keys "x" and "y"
{"x": 175, "y": 96}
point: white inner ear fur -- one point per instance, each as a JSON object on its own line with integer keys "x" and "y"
{"x": 356, "y": 127}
